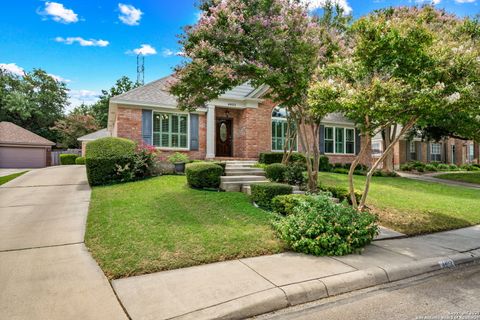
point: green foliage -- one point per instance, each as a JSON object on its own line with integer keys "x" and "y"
{"x": 294, "y": 173}
{"x": 73, "y": 126}
{"x": 66, "y": 159}
{"x": 430, "y": 168}
{"x": 110, "y": 147}
{"x": 276, "y": 157}
{"x": 263, "y": 193}
{"x": 443, "y": 167}
{"x": 285, "y": 204}
{"x": 102, "y": 171}
{"x": 178, "y": 157}
{"x": 324, "y": 164}
{"x": 221, "y": 164}
{"x": 275, "y": 172}
{"x": 80, "y": 160}
{"x": 469, "y": 167}
{"x": 340, "y": 193}
{"x": 453, "y": 167}
{"x": 340, "y": 170}
{"x": 321, "y": 227}
{"x": 33, "y": 101}
{"x": 203, "y": 174}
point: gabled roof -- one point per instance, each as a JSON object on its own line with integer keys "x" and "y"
{"x": 154, "y": 93}
{"x": 157, "y": 93}
{"x": 102, "y": 133}
{"x": 12, "y": 134}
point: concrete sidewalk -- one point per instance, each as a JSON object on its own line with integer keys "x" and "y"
{"x": 46, "y": 272}
{"x": 242, "y": 288}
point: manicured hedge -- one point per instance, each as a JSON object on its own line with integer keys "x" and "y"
{"x": 110, "y": 147}
{"x": 321, "y": 227}
{"x": 340, "y": 193}
{"x": 66, "y": 158}
{"x": 276, "y": 157}
{"x": 80, "y": 160}
{"x": 284, "y": 204}
{"x": 275, "y": 172}
{"x": 203, "y": 175}
{"x": 104, "y": 170}
{"x": 263, "y": 193}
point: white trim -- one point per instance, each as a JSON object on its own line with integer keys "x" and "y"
{"x": 210, "y": 132}
{"x": 188, "y": 132}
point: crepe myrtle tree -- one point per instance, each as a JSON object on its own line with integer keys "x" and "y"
{"x": 275, "y": 43}
{"x": 409, "y": 66}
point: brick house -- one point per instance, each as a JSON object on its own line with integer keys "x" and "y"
{"x": 449, "y": 151}
{"x": 239, "y": 124}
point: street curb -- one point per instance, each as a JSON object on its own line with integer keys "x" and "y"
{"x": 298, "y": 293}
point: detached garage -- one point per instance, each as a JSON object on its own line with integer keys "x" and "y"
{"x": 20, "y": 148}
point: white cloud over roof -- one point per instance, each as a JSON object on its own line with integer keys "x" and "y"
{"x": 145, "y": 49}
{"x": 83, "y": 42}
{"x": 59, "y": 13}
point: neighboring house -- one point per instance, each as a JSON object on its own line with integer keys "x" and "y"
{"x": 102, "y": 133}
{"x": 20, "y": 148}
{"x": 449, "y": 150}
{"x": 238, "y": 124}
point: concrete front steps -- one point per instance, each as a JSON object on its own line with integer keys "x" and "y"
{"x": 241, "y": 173}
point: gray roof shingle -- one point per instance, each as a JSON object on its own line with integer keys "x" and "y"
{"x": 12, "y": 134}
{"x": 102, "y": 133}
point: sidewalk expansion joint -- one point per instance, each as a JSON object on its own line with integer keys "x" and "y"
{"x": 118, "y": 299}
{"x": 42, "y": 247}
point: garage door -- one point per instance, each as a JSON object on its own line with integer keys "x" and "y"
{"x": 22, "y": 157}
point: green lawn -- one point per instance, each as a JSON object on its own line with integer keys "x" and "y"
{"x": 160, "y": 224}
{"x": 471, "y": 177}
{"x": 5, "y": 179}
{"x": 415, "y": 207}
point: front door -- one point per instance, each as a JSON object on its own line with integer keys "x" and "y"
{"x": 224, "y": 138}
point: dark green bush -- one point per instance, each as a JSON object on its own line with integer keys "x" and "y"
{"x": 276, "y": 157}
{"x": 469, "y": 167}
{"x": 275, "y": 172}
{"x": 453, "y": 167}
{"x": 340, "y": 170}
{"x": 380, "y": 173}
{"x": 203, "y": 175}
{"x": 66, "y": 158}
{"x": 406, "y": 167}
{"x": 297, "y": 157}
{"x": 263, "y": 193}
{"x": 443, "y": 167}
{"x": 324, "y": 164}
{"x": 221, "y": 164}
{"x": 321, "y": 227}
{"x": 80, "y": 160}
{"x": 102, "y": 171}
{"x": 340, "y": 193}
{"x": 110, "y": 147}
{"x": 430, "y": 168}
{"x": 294, "y": 173}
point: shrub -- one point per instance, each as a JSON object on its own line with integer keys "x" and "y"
{"x": 294, "y": 173}
{"x": 270, "y": 157}
{"x": 431, "y": 168}
{"x": 443, "y": 167}
{"x": 275, "y": 172}
{"x": 380, "y": 173}
{"x": 285, "y": 204}
{"x": 102, "y": 171}
{"x": 110, "y": 147}
{"x": 263, "y": 193}
{"x": 452, "y": 167}
{"x": 67, "y": 158}
{"x": 324, "y": 164}
{"x": 297, "y": 157}
{"x": 203, "y": 175}
{"x": 321, "y": 227}
{"x": 340, "y": 170}
{"x": 80, "y": 160}
{"x": 406, "y": 167}
{"x": 178, "y": 157}
{"x": 469, "y": 167}
{"x": 340, "y": 193}
{"x": 221, "y": 164}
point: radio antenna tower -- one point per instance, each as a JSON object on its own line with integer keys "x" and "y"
{"x": 140, "y": 69}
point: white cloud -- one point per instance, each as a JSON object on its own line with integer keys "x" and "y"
{"x": 83, "y": 42}
{"x": 59, "y": 13}
{"x": 129, "y": 14}
{"x": 12, "y": 68}
{"x": 77, "y": 97}
{"x": 465, "y": 1}
{"x": 317, "y": 4}
{"x": 434, "y": 2}
{"x": 169, "y": 52}
{"x": 59, "y": 78}
{"x": 145, "y": 49}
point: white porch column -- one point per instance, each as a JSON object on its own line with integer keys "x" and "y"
{"x": 210, "y": 131}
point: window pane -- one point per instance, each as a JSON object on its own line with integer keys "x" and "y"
{"x": 328, "y": 133}
{"x": 165, "y": 140}
{"x": 175, "y": 141}
{"x": 339, "y": 140}
{"x": 350, "y": 147}
{"x": 350, "y": 135}
{"x": 183, "y": 124}
{"x": 156, "y": 122}
{"x": 156, "y": 139}
{"x": 183, "y": 141}
{"x": 165, "y": 123}
{"x": 328, "y": 146}
{"x": 175, "y": 125}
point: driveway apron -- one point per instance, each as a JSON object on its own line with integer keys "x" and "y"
{"x": 46, "y": 272}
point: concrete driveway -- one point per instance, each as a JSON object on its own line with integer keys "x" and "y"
{"x": 46, "y": 272}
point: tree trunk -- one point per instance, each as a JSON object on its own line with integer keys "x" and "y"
{"x": 287, "y": 146}
{"x": 356, "y": 161}
{"x": 312, "y": 156}
{"x": 389, "y": 148}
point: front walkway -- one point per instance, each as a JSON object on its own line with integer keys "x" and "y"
{"x": 251, "y": 286}
{"x": 46, "y": 272}
{"x": 430, "y": 177}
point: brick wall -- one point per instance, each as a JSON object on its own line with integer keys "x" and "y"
{"x": 129, "y": 123}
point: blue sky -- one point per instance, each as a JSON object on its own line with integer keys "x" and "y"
{"x": 90, "y": 44}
